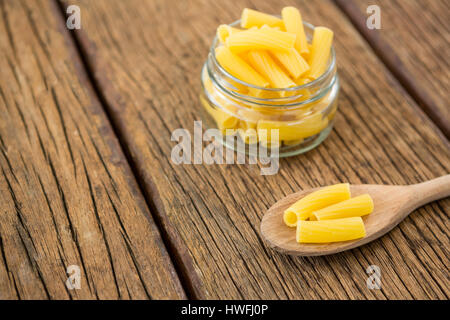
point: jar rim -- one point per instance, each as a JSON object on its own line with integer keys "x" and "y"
{"x": 323, "y": 76}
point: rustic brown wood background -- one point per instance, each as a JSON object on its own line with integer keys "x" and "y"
{"x": 86, "y": 177}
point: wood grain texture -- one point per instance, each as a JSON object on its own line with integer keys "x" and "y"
{"x": 414, "y": 42}
{"x": 67, "y": 194}
{"x": 146, "y": 57}
{"x": 392, "y": 204}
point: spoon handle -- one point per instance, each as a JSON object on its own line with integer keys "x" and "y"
{"x": 432, "y": 190}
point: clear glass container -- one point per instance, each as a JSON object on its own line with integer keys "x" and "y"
{"x": 303, "y": 115}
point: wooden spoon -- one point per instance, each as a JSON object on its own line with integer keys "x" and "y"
{"x": 392, "y": 204}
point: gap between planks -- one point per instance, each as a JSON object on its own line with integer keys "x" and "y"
{"x": 171, "y": 247}
{"x": 393, "y": 63}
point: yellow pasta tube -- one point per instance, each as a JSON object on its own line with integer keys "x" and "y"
{"x": 223, "y": 119}
{"x": 293, "y": 62}
{"x": 260, "y": 39}
{"x": 238, "y": 67}
{"x": 354, "y": 207}
{"x": 307, "y": 55}
{"x": 262, "y": 62}
{"x": 330, "y": 230}
{"x": 208, "y": 84}
{"x": 224, "y": 31}
{"x": 251, "y": 18}
{"x": 295, "y": 130}
{"x": 247, "y": 124}
{"x": 303, "y": 208}
{"x": 321, "y": 48}
{"x": 293, "y": 22}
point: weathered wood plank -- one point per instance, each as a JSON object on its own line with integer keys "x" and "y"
{"x": 147, "y": 57}
{"x": 67, "y": 194}
{"x": 414, "y": 42}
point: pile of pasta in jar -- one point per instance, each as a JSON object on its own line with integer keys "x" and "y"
{"x": 271, "y": 82}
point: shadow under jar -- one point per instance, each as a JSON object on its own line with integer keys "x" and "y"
{"x": 303, "y": 115}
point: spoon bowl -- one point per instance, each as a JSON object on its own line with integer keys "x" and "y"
{"x": 392, "y": 204}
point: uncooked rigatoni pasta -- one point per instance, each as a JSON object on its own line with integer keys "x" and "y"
{"x": 224, "y": 31}
{"x": 295, "y": 130}
{"x": 266, "y": 67}
{"x": 262, "y": 62}
{"x": 237, "y": 67}
{"x": 354, "y": 207}
{"x": 330, "y": 230}
{"x": 320, "y": 52}
{"x": 294, "y": 24}
{"x": 293, "y": 62}
{"x": 252, "y": 18}
{"x": 260, "y": 39}
{"x": 329, "y": 215}
{"x": 223, "y": 119}
{"x": 303, "y": 208}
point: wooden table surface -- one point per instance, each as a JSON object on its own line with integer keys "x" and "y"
{"x": 86, "y": 178}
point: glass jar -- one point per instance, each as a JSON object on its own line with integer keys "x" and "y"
{"x": 303, "y": 116}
